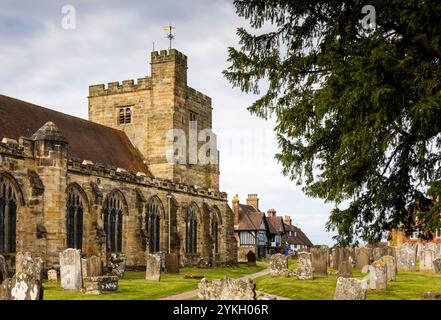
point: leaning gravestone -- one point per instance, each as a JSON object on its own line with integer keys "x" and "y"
{"x": 3, "y": 269}
{"x": 279, "y": 265}
{"x": 25, "y": 262}
{"x": 406, "y": 257}
{"x": 117, "y": 264}
{"x": 391, "y": 268}
{"x": 94, "y": 266}
{"x": 171, "y": 263}
{"x": 377, "y": 275}
{"x": 25, "y": 287}
{"x": 251, "y": 258}
{"x": 426, "y": 261}
{"x": 304, "y": 267}
{"x": 350, "y": 289}
{"x": 52, "y": 277}
{"x": 70, "y": 269}
{"x": 363, "y": 257}
{"x": 437, "y": 265}
{"x": 153, "y": 268}
{"x": 227, "y": 289}
{"x": 319, "y": 260}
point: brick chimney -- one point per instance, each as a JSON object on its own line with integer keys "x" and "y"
{"x": 253, "y": 200}
{"x": 287, "y": 220}
{"x": 235, "y": 203}
{"x": 271, "y": 213}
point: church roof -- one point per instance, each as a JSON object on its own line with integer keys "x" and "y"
{"x": 87, "y": 140}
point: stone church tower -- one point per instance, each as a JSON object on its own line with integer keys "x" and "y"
{"x": 148, "y": 110}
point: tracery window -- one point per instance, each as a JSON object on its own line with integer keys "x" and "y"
{"x": 8, "y": 215}
{"x": 191, "y": 230}
{"x": 74, "y": 219}
{"x": 215, "y": 232}
{"x": 153, "y": 223}
{"x": 113, "y": 222}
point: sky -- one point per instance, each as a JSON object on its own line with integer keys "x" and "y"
{"x": 50, "y": 60}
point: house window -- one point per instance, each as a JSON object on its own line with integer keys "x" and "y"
{"x": 415, "y": 235}
{"x": 8, "y": 215}
{"x": 113, "y": 222}
{"x": 246, "y": 238}
{"x": 74, "y": 221}
{"x": 191, "y": 227}
{"x": 153, "y": 223}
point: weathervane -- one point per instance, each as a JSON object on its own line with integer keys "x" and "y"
{"x": 170, "y": 35}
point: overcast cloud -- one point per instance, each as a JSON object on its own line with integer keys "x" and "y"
{"x": 44, "y": 64}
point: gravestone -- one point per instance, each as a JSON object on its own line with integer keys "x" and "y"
{"x": 377, "y": 275}
{"x": 344, "y": 263}
{"x": 227, "y": 289}
{"x": 350, "y": 289}
{"x": 3, "y": 269}
{"x": 153, "y": 268}
{"x": 426, "y": 262}
{"x": 279, "y": 265}
{"x": 319, "y": 260}
{"x": 25, "y": 262}
{"x": 437, "y": 265}
{"x": 5, "y": 289}
{"x": 84, "y": 268}
{"x": 70, "y": 269}
{"x": 94, "y": 266}
{"x": 117, "y": 264}
{"x": 406, "y": 257}
{"x": 251, "y": 258}
{"x": 97, "y": 285}
{"x": 172, "y": 263}
{"x": 363, "y": 257}
{"x": 25, "y": 287}
{"x": 52, "y": 276}
{"x": 334, "y": 258}
{"x": 391, "y": 268}
{"x": 378, "y": 253}
{"x": 304, "y": 266}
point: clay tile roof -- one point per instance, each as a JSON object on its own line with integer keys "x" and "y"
{"x": 299, "y": 238}
{"x": 87, "y": 140}
{"x": 249, "y": 218}
{"x": 274, "y": 224}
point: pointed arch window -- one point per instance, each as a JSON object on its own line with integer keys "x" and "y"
{"x": 128, "y": 115}
{"x": 8, "y": 215}
{"x": 74, "y": 221}
{"x": 113, "y": 222}
{"x": 153, "y": 224}
{"x": 191, "y": 230}
{"x": 215, "y": 232}
{"x": 121, "y": 117}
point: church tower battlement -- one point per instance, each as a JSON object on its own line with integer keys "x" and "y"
{"x": 148, "y": 109}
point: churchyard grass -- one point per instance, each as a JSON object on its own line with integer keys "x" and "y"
{"x": 134, "y": 287}
{"x": 409, "y": 285}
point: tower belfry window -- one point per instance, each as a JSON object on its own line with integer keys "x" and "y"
{"x": 121, "y": 116}
{"x": 128, "y": 115}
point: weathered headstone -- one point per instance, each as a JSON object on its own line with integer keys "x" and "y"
{"x": 153, "y": 268}
{"x": 319, "y": 259}
{"x": 70, "y": 269}
{"x": 279, "y": 265}
{"x": 377, "y": 275}
{"x": 25, "y": 262}
{"x": 25, "y": 287}
{"x": 52, "y": 277}
{"x": 84, "y": 268}
{"x": 350, "y": 289}
{"x": 97, "y": 285}
{"x": 426, "y": 262}
{"x": 437, "y": 265}
{"x": 5, "y": 289}
{"x": 344, "y": 263}
{"x": 251, "y": 258}
{"x": 94, "y": 266}
{"x": 3, "y": 269}
{"x": 117, "y": 264}
{"x": 406, "y": 257}
{"x": 334, "y": 258}
{"x": 391, "y": 267}
{"x": 171, "y": 263}
{"x": 304, "y": 267}
{"x": 378, "y": 253}
{"x": 227, "y": 289}
{"x": 363, "y": 257}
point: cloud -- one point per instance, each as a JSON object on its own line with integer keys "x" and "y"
{"x": 47, "y": 65}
